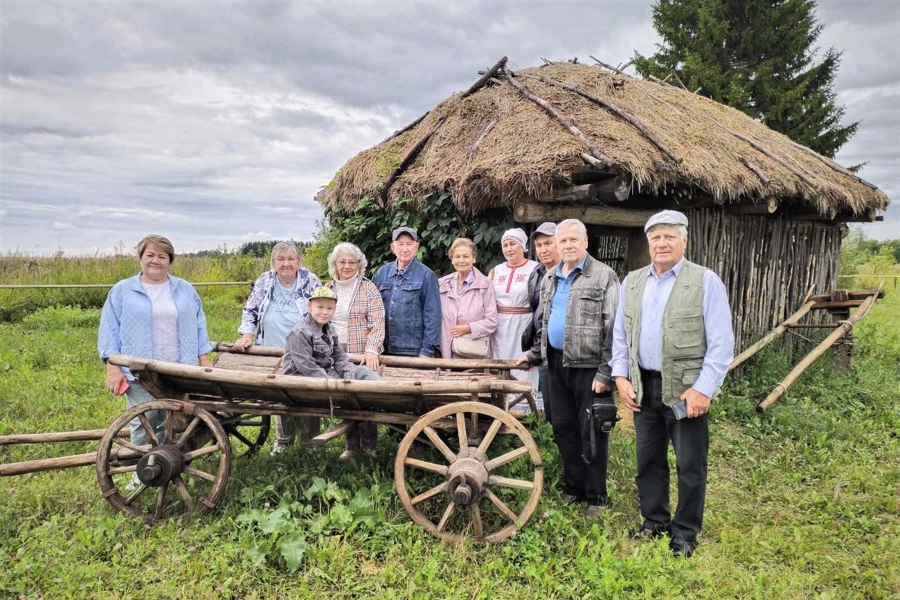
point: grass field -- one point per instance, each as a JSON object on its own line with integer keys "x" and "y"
{"x": 803, "y": 502}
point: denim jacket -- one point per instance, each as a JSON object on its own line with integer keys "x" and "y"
{"x": 593, "y": 300}
{"x": 126, "y": 323}
{"x": 261, "y": 296}
{"x": 412, "y": 306}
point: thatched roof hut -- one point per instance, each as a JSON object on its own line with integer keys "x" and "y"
{"x": 573, "y": 140}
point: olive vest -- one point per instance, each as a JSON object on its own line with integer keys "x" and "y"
{"x": 683, "y": 335}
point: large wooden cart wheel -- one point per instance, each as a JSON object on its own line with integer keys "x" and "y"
{"x": 251, "y": 430}
{"x": 183, "y": 474}
{"x": 478, "y": 486}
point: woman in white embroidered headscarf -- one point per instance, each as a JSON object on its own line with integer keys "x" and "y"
{"x": 510, "y": 281}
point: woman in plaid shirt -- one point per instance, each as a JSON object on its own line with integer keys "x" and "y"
{"x": 359, "y": 323}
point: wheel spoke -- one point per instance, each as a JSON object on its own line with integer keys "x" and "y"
{"x": 490, "y": 435}
{"x": 439, "y": 443}
{"x": 141, "y": 450}
{"x": 505, "y": 458}
{"x": 170, "y": 429}
{"x": 160, "y": 502}
{"x": 241, "y": 437}
{"x": 188, "y": 432}
{"x": 443, "y": 522}
{"x": 118, "y": 470}
{"x": 189, "y": 456}
{"x": 148, "y": 429}
{"x": 476, "y": 521}
{"x": 251, "y": 423}
{"x": 520, "y": 484}
{"x": 501, "y": 506}
{"x": 134, "y": 495}
{"x": 182, "y": 491}
{"x": 463, "y": 437}
{"x": 426, "y": 466}
{"x": 442, "y": 487}
{"x": 199, "y": 473}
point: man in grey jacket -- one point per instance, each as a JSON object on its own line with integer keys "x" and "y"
{"x": 579, "y": 297}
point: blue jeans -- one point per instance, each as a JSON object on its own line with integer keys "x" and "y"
{"x": 136, "y": 394}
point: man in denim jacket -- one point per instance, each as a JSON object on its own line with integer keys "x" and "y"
{"x": 579, "y": 297}
{"x": 412, "y": 302}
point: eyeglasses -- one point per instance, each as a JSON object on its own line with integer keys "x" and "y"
{"x": 347, "y": 263}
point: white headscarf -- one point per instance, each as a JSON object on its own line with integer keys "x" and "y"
{"x": 516, "y": 234}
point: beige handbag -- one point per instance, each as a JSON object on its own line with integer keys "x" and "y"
{"x": 466, "y": 347}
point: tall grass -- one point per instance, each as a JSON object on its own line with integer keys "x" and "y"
{"x": 59, "y": 270}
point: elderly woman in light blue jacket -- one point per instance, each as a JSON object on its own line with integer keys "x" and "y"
{"x": 151, "y": 315}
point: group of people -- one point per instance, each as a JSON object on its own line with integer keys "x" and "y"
{"x": 663, "y": 339}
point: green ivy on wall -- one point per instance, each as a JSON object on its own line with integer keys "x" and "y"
{"x": 437, "y": 220}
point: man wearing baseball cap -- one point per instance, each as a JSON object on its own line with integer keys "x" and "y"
{"x": 412, "y": 301}
{"x": 672, "y": 343}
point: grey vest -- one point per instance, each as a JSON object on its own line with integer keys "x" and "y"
{"x": 683, "y": 335}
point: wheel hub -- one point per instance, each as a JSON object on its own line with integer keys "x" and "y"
{"x": 160, "y": 465}
{"x": 467, "y": 478}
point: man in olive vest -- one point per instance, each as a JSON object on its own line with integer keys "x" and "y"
{"x": 672, "y": 343}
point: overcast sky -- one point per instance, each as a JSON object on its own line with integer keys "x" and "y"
{"x": 216, "y": 122}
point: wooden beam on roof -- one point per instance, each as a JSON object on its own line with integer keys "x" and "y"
{"x": 536, "y": 212}
{"x": 567, "y": 122}
{"x": 613, "y": 189}
{"x": 407, "y": 161}
{"x": 636, "y": 123}
{"x": 831, "y": 163}
{"x": 485, "y": 78}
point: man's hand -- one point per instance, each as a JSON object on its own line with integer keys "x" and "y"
{"x": 204, "y": 361}
{"x": 522, "y": 362}
{"x": 243, "y": 342}
{"x": 371, "y": 361}
{"x": 627, "y": 394}
{"x": 697, "y": 403}
{"x": 599, "y": 387}
{"x": 460, "y": 330}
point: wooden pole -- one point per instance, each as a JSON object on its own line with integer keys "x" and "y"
{"x": 408, "y": 160}
{"x": 528, "y": 212}
{"x": 485, "y": 78}
{"x": 567, "y": 122}
{"x": 66, "y": 436}
{"x": 770, "y": 337}
{"x": 833, "y": 165}
{"x": 481, "y": 138}
{"x": 62, "y": 462}
{"x": 411, "y": 362}
{"x": 840, "y": 331}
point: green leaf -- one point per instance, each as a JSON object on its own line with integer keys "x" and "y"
{"x": 292, "y": 548}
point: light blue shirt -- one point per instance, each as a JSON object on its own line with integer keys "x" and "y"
{"x": 126, "y": 322}
{"x": 716, "y": 321}
{"x": 556, "y": 322}
{"x": 281, "y": 315}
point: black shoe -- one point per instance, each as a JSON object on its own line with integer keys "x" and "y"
{"x": 682, "y": 547}
{"x": 644, "y": 533}
{"x": 593, "y": 511}
{"x": 572, "y": 498}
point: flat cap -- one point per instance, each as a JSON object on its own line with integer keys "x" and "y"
{"x": 666, "y": 217}
{"x": 408, "y": 231}
{"x": 547, "y": 228}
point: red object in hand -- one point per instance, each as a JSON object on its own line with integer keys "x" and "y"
{"x": 122, "y": 387}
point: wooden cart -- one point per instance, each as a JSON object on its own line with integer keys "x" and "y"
{"x": 466, "y": 466}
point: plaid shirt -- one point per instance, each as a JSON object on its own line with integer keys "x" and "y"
{"x": 365, "y": 323}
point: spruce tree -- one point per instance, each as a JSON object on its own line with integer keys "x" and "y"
{"x": 758, "y": 56}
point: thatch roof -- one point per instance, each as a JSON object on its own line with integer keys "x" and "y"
{"x": 724, "y": 153}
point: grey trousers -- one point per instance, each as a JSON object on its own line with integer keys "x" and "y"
{"x": 363, "y": 433}
{"x": 288, "y": 428}
{"x": 136, "y": 394}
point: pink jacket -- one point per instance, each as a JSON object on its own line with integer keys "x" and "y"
{"x": 477, "y": 306}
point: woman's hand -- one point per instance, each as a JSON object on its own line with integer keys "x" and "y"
{"x": 244, "y": 342}
{"x": 460, "y": 330}
{"x": 114, "y": 377}
{"x": 371, "y": 361}
{"x": 204, "y": 361}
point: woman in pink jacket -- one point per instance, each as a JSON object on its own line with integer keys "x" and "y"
{"x": 468, "y": 305}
